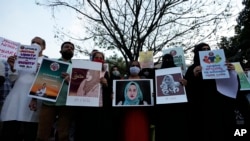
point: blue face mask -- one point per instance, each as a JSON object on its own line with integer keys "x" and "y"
{"x": 134, "y": 70}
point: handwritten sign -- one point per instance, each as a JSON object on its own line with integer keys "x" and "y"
{"x": 7, "y": 48}
{"x": 146, "y": 59}
{"x": 213, "y": 64}
{"x": 27, "y": 56}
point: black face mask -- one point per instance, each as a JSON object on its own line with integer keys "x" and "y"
{"x": 67, "y": 55}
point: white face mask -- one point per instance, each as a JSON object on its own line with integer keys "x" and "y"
{"x": 116, "y": 73}
{"x": 38, "y": 46}
{"x": 134, "y": 70}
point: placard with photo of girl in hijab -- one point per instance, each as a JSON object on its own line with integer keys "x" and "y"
{"x": 137, "y": 92}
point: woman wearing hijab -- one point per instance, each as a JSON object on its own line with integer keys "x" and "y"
{"x": 133, "y": 95}
{"x": 211, "y": 113}
{"x": 171, "y": 119}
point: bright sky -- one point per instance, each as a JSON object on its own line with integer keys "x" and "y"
{"x": 21, "y": 20}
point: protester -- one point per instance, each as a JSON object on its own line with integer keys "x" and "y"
{"x": 115, "y": 74}
{"x": 5, "y": 87}
{"x": 211, "y": 112}
{"x": 133, "y": 122}
{"x": 96, "y": 120}
{"x": 242, "y": 110}
{"x": 171, "y": 119}
{"x": 57, "y": 111}
{"x": 19, "y": 123}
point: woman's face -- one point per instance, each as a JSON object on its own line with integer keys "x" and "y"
{"x": 88, "y": 76}
{"x": 135, "y": 63}
{"x": 132, "y": 92}
{"x": 98, "y": 56}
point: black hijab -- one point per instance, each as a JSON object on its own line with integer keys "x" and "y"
{"x": 196, "y": 50}
{"x": 167, "y": 61}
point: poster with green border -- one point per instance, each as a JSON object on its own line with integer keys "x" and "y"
{"x": 49, "y": 76}
{"x": 244, "y": 83}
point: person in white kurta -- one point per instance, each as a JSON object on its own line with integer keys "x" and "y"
{"x": 18, "y": 101}
{"x": 19, "y": 122}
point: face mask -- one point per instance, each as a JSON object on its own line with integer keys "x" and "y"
{"x": 146, "y": 73}
{"x": 116, "y": 73}
{"x": 134, "y": 70}
{"x": 67, "y": 55}
{"x": 38, "y": 46}
{"x": 99, "y": 60}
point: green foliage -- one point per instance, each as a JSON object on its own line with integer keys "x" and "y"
{"x": 243, "y": 21}
{"x": 237, "y": 48}
{"x": 117, "y": 61}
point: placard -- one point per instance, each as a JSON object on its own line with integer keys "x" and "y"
{"x": 48, "y": 82}
{"x": 7, "y": 48}
{"x": 213, "y": 64}
{"x": 178, "y": 55}
{"x": 26, "y": 58}
{"x": 84, "y": 87}
{"x": 130, "y": 93}
{"x": 168, "y": 87}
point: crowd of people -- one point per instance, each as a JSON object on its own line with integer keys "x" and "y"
{"x": 208, "y": 114}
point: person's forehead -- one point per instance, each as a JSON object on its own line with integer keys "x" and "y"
{"x": 135, "y": 63}
{"x": 98, "y": 55}
{"x": 68, "y": 45}
{"x": 132, "y": 86}
{"x": 205, "y": 46}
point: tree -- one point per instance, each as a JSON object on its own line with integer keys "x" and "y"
{"x": 237, "y": 47}
{"x": 131, "y": 26}
{"x": 242, "y": 29}
{"x": 117, "y": 61}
